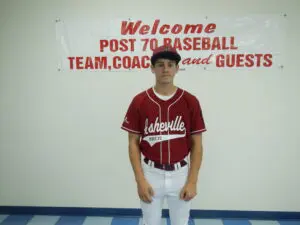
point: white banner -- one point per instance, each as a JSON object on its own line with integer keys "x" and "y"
{"x": 210, "y": 43}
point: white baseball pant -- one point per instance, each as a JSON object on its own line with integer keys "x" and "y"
{"x": 166, "y": 185}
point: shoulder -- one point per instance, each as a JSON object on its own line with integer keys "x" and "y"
{"x": 140, "y": 97}
{"x": 189, "y": 97}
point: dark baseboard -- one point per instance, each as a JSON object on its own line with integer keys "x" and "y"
{"x": 113, "y": 212}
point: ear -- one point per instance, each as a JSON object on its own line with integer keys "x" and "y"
{"x": 177, "y": 68}
{"x": 152, "y": 68}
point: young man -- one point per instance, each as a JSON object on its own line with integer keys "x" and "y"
{"x": 165, "y": 126}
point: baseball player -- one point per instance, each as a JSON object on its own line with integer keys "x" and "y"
{"x": 165, "y": 126}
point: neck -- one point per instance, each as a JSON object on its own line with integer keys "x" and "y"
{"x": 165, "y": 89}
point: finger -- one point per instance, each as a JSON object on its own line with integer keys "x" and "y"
{"x": 143, "y": 198}
{"x": 190, "y": 197}
{"x": 182, "y": 194}
{"x": 186, "y": 196}
{"x": 151, "y": 192}
{"x": 148, "y": 198}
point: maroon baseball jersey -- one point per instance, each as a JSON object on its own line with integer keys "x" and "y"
{"x": 165, "y": 126}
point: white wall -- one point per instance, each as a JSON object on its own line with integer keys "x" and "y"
{"x": 59, "y": 131}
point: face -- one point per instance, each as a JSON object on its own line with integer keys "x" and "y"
{"x": 164, "y": 70}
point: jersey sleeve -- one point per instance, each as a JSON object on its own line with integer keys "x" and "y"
{"x": 197, "y": 121}
{"x": 132, "y": 119}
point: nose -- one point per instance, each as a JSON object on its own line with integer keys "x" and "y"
{"x": 165, "y": 68}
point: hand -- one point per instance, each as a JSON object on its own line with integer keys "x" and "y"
{"x": 145, "y": 191}
{"x": 188, "y": 192}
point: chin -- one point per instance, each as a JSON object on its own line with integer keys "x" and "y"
{"x": 165, "y": 82}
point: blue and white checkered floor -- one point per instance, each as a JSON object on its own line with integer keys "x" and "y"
{"x": 93, "y": 220}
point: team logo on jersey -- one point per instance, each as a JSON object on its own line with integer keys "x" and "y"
{"x": 157, "y": 127}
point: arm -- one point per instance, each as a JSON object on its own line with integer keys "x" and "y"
{"x": 189, "y": 190}
{"x": 135, "y": 156}
{"x": 196, "y": 158}
{"x": 145, "y": 191}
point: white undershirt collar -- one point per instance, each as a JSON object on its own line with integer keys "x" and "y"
{"x": 164, "y": 97}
